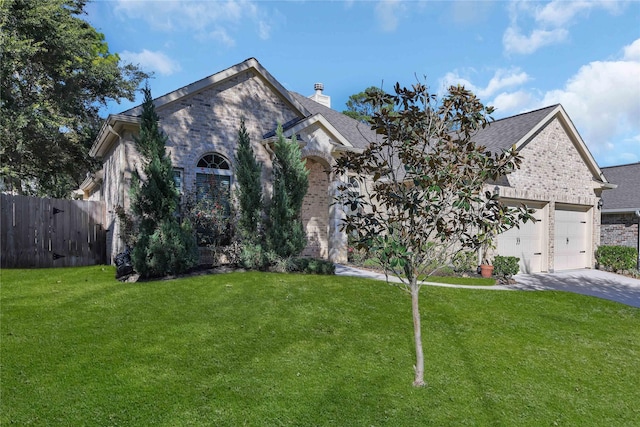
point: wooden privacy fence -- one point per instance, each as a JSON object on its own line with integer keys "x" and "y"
{"x": 39, "y": 232}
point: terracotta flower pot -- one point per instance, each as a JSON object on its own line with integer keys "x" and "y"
{"x": 486, "y": 270}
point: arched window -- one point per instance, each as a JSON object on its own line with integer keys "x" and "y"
{"x": 213, "y": 180}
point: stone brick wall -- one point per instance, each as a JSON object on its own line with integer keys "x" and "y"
{"x": 118, "y": 165}
{"x": 552, "y": 168}
{"x": 208, "y": 121}
{"x": 315, "y": 211}
{"x": 619, "y": 230}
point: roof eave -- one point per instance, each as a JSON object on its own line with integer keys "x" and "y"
{"x": 635, "y": 210}
{"x": 108, "y": 133}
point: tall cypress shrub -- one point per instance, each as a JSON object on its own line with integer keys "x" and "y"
{"x": 248, "y": 174}
{"x": 285, "y": 235}
{"x": 163, "y": 245}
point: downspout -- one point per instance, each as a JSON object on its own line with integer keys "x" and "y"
{"x": 638, "y": 245}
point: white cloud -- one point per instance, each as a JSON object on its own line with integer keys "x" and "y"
{"x": 562, "y": 12}
{"x": 550, "y": 22}
{"x": 453, "y": 78}
{"x": 150, "y": 60}
{"x": 515, "y": 42}
{"x": 215, "y": 19}
{"x": 502, "y": 79}
{"x": 222, "y": 36}
{"x": 388, "y": 14}
{"x": 512, "y": 101}
{"x": 632, "y": 52}
{"x": 603, "y": 100}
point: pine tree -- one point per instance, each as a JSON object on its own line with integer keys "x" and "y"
{"x": 163, "y": 245}
{"x": 285, "y": 234}
{"x": 248, "y": 173}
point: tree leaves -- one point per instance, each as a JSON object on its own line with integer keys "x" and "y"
{"x": 55, "y": 74}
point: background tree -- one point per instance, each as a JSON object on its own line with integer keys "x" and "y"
{"x": 359, "y": 105}
{"x": 55, "y": 74}
{"x": 163, "y": 245}
{"x": 248, "y": 175}
{"x": 427, "y": 200}
{"x": 285, "y": 234}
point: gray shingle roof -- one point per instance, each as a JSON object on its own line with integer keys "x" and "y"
{"x": 502, "y": 134}
{"x": 357, "y": 133}
{"x": 627, "y": 194}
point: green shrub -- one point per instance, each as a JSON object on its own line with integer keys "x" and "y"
{"x": 171, "y": 249}
{"x": 371, "y": 263}
{"x": 464, "y": 261}
{"x": 506, "y": 266}
{"x": 617, "y": 258}
{"x": 253, "y": 257}
{"x": 313, "y": 266}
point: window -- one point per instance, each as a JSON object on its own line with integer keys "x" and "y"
{"x": 213, "y": 180}
{"x": 177, "y": 180}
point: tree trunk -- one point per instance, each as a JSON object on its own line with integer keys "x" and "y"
{"x": 417, "y": 334}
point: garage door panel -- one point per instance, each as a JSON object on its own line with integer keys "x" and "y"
{"x": 526, "y": 243}
{"x": 572, "y": 239}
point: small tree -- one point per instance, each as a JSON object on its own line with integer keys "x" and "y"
{"x": 248, "y": 174}
{"x": 285, "y": 235}
{"x": 163, "y": 245}
{"x": 425, "y": 201}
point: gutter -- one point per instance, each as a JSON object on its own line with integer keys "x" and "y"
{"x": 635, "y": 210}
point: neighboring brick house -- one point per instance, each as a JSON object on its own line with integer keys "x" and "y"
{"x": 621, "y": 207}
{"x": 558, "y": 175}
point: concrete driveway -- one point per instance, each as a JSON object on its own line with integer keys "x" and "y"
{"x": 595, "y": 283}
{"x": 587, "y": 282}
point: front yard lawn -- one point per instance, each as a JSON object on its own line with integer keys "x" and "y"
{"x": 79, "y": 348}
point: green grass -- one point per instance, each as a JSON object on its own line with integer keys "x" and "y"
{"x": 79, "y": 348}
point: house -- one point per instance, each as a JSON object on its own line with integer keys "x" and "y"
{"x": 202, "y": 120}
{"x": 559, "y": 177}
{"x": 621, "y": 207}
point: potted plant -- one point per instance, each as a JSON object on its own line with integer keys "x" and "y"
{"x": 486, "y": 268}
{"x": 486, "y": 242}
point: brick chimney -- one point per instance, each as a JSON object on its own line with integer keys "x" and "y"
{"x": 319, "y": 97}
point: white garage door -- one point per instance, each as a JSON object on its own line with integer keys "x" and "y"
{"x": 526, "y": 243}
{"x": 572, "y": 239}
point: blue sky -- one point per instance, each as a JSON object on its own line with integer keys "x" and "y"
{"x": 517, "y": 56}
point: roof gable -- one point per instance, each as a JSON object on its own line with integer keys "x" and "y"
{"x": 107, "y": 137}
{"x": 521, "y": 129}
{"x": 502, "y": 134}
{"x": 358, "y": 134}
{"x": 214, "y": 79}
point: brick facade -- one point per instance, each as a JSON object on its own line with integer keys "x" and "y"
{"x": 619, "y": 230}
{"x": 315, "y": 211}
{"x": 207, "y": 122}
